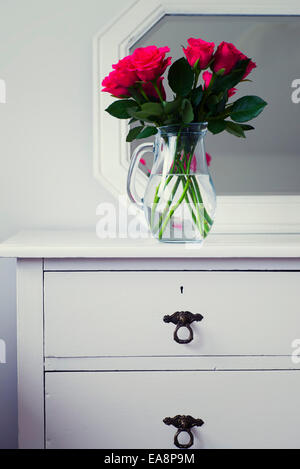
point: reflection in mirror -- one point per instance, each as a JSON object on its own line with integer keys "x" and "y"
{"x": 268, "y": 161}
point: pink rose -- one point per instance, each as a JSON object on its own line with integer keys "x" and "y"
{"x": 113, "y": 84}
{"x": 207, "y": 77}
{"x": 150, "y": 62}
{"x": 128, "y": 76}
{"x": 151, "y": 91}
{"x": 227, "y": 56}
{"x": 120, "y": 79}
{"x": 199, "y": 50}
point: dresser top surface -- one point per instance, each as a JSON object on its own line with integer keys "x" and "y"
{"x": 86, "y": 244}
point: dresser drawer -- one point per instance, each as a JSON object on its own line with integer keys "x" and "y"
{"x": 126, "y": 410}
{"x": 122, "y": 313}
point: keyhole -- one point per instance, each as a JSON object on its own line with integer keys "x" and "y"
{"x": 181, "y": 290}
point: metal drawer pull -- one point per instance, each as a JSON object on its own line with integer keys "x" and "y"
{"x": 183, "y": 319}
{"x": 184, "y": 423}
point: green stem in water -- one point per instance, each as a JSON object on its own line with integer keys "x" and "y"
{"x": 174, "y": 208}
{"x": 154, "y": 205}
{"x": 193, "y": 195}
{"x": 197, "y": 200}
{"x": 189, "y": 205}
{"x": 190, "y": 186}
{"x": 196, "y": 204}
{"x": 195, "y": 183}
{"x": 179, "y": 164}
{"x": 156, "y": 197}
{"x": 164, "y": 213}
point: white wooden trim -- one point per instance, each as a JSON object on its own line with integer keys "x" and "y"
{"x": 85, "y": 244}
{"x": 155, "y": 264}
{"x": 111, "y": 153}
{"x": 171, "y": 363}
{"x": 30, "y": 353}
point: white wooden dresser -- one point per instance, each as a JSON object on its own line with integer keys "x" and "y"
{"x": 102, "y": 358}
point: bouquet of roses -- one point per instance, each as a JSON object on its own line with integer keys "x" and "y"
{"x": 202, "y": 82}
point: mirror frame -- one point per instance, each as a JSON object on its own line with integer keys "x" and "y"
{"x": 247, "y": 214}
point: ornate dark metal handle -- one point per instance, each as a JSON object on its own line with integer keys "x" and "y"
{"x": 183, "y": 319}
{"x": 183, "y": 423}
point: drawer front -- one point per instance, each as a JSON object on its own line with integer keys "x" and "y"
{"x": 126, "y": 410}
{"x": 121, "y": 313}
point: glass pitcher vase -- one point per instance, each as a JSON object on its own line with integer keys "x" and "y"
{"x": 180, "y": 199}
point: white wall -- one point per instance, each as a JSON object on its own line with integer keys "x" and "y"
{"x": 45, "y": 139}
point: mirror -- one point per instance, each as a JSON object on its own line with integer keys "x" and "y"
{"x": 268, "y": 161}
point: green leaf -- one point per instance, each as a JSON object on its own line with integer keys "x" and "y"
{"x": 172, "y": 106}
{"x": 148, "y": 113}
{"x": 187, "y": 111}
{"x": 181, "y": 77}
{"x": 235, "y": 129}
{"x": 220, "y": 108}
{"x": 147, "y": 132}
{"x": 217, "y": 126}
{"x": 246, "y": 127}
{"x": 196, "y": 96}
{"x": 247, "y": 108}
{"x": 120, "y": 108}
{"x": 212, "y": 101}
{"x": 133, "y": 133}
{"x": 153, "y": 109}
{"x": 141, "y": 116}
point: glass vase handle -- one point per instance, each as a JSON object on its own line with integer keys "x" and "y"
{"x": 138, "y": 153}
